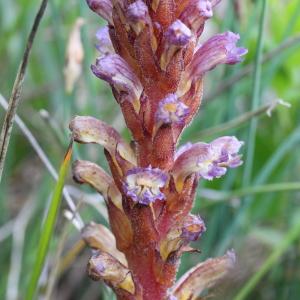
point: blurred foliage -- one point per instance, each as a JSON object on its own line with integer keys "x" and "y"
{"x": 254, "y": 225}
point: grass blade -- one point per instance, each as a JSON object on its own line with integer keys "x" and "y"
{"x": 48, "y": 226}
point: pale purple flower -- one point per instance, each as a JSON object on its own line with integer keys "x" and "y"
{"x": 103, "y": 8}
{"x": 193, "y": 228}
{"x": 171, "y": 110}
{"x": 104, "y": 44}
{"x": 143, "y": 185}
{"x": 178, "y": 34}
{"x": 222, "y": 154}
{"x": 138, "y": 15}
{"x": 196, "y": 13}
{"x": 208, "y": 160}
{"x": 115, "y": 70}
{"x": 220, "y": 49}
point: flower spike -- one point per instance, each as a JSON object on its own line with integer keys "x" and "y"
{"x": 151, "y": 57}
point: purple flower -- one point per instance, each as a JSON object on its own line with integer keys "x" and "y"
{"x": 138, "y": 16}
{"x": 208, "y": 160}
{"x": 171, "y": 110}
{"x": 138, "y": 12}
{"x": 103, "y": 8}
{"x": 178, "y": 34}
{"x": 115, "y": 70}
{"x": 104, "y": 45}
{"x": 196, "y": 13}
{"x": 193, "y": 228}
{"x": 220, "y": 49}
{"x": 143, "y": 185}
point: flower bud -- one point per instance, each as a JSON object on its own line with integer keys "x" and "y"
{"x": 103, "y": 8}
{"x": 208, "y": 160}
{"x": 193, "y": 228}
{"x": 171, "y": 110}
{"x": 143, "y": 185}
{"x": 177, "y": 36}
{"x": 104, "y": 44}
{"x": 103, "y": 266}
{"x": 138, "y": 16}
{"x": 181, "y": 235}
{"x": 195, "y": 15}
{"x": 115, "y": 70}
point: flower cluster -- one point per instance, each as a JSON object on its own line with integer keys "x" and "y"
{"x": 150, "y": 55}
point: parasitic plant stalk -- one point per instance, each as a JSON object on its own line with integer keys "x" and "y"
{"x": 151, "y": 57}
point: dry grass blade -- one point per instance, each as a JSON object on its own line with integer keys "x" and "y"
{"x": 17, "y": 88}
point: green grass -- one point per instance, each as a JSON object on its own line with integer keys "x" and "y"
{"x": 268, "y": 201}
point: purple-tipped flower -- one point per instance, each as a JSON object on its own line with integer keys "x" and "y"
{"x": 208, "y": 160}
{"x": 222, "y": 154}
{"x": 115, "y": 70}
{"x": 103, "y": 8}
{"x": 193, "y": 228}
{"x": 104, "y": 44}
{"x": 196, "y": 13}
{"x": 138, "y": 15}
{"x": 178, "y": 34}
{"x": 220, "y": 49}
{"x": 143, "y": 185}
{"x": 171, "y": 110}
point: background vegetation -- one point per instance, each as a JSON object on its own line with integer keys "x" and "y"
{"x": 254, "y": 210}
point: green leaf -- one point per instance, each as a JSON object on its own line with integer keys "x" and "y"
{"x": 48, "y": 226}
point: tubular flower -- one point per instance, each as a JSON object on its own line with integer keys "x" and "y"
{"x": 150, "y": 56}
{"x": 113, "y": 69}
{"x": 143, "y": 185}
{"x": 104, "y": 44}
{"x": 208, "y": 160}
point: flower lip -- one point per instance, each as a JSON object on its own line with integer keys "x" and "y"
{"x": 178, "y": 34}
{"x": 171, "y": 110}
{"x": 143, "y": 185}
{"x": 222, "y": 153}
